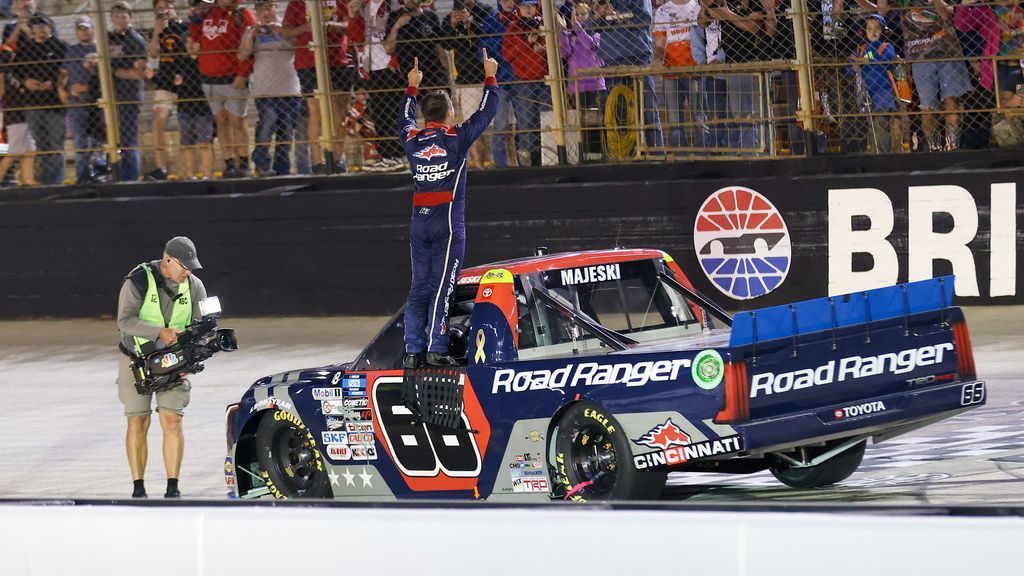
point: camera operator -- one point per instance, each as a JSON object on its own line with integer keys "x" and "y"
{"x": 158, "y": 300}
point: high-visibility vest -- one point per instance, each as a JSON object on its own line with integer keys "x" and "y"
{"x": 181, "y": 314}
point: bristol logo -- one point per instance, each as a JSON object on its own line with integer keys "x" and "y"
{"x": 742, "y": 243}
{"x": 664, "y": 436}
{"x": 430, "y": 152}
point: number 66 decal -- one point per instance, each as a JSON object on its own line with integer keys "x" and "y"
{"x": 973, "y": 393}
{"x": 429, "y": 457}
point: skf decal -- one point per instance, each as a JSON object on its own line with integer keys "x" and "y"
{"x": 860, "y": 410}
{"x": 590, "y": 274}
{"x": 430, "y": 152}
{"x": 849, "y": 368}
{"x": 664, "y": 436}
{"x": 589, "y": 374}
{"x": 681, "y": 454}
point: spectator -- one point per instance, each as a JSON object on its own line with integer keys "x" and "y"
{"x": 460, "y": 33}
{"x": 982, "y": 22}
{"x": 195, "y": 119}
{"x": 23, "y": 10}
{"x": 275, "y": 86}
{"x": 706, "y": 44}
{"x": 368, "y": 28}
{"x": 672, "y": 23}
{"x": 128, "y": 52}
{"x": 493, "y": 31}
{"x": 219, "y": 34}
{"x": 85, "y": 119}
{"x": 20, "y": 145}
{"x": 625, "y": 27}
{"x": 1010, "y": 25}
{"x": 524, "y": 49}
{"x": 747, "y": 35}
{"x": 873, "y": 65}
{"x": 940, "y": 73}
{"x": 336, "y": 22}
{"x": 38, "y": 63}
{"x": 579, "y": 48}
{"x": 167, "y": 43}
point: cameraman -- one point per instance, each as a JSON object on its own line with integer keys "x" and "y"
{"x": 158, "y": 300}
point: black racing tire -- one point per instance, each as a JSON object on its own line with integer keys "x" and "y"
{"x": 593, "y": 460}
{"x": 829, "y": 472}
{"x": 289, "y": 462}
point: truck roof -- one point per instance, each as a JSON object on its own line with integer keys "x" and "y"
{"x": 531, "y": 264}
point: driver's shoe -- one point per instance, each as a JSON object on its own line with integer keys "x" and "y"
{"x": 412, "y": 360}
{"x": 438, "y": 359}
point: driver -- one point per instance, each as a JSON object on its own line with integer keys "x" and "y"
{"x": 158, "y": 300}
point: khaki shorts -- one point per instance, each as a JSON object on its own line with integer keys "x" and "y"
{"x": 164, "y": 100}
{"x": 226, "y": 97}
{"x": 19, "y": 139}
{"x": 174, "y": 400}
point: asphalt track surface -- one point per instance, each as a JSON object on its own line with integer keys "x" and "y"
{"x": 62, "y": 426}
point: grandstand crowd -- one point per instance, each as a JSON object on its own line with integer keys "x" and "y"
{"x": 639, "y": 80}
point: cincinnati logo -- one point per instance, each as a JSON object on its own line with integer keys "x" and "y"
{"x": 431, "y": 151}
{"x": 742, "y": 243}
{"x": 664, "y": 436}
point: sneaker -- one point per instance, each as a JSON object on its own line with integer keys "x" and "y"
{"x": 233, "y": 172}
{"x": 156, "y": 175}
{"x": 393, "y": 164}
{"x": 319, "y": 169}
{"x": 172, "y": 493}
{"x": 382, "y": 165}
{"x": 268, "y": 173}
{"x": 341, "y": 167}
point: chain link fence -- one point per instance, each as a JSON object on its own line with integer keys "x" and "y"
{"x": 111, "y": 91}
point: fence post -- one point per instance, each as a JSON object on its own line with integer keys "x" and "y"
{"x": 323, "y": 82}
{"x": 805, "y": 75}
{"x": 108, "y": 95}
{"x": 555, "y": 80}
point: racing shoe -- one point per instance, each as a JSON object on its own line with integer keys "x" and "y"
{"x": 172, "y": 489}
{"x": 412, "y": 360}
{"x": 139, "y": 490}
{"x": 438, "y": 359}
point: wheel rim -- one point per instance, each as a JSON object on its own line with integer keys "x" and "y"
{"x": 594, "y": 459}
{"x": 295, "y": 458}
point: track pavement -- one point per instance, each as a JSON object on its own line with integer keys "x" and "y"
{"x": 63, "y": 429}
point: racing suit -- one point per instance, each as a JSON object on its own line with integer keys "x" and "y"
{"x": 437, "y": 158}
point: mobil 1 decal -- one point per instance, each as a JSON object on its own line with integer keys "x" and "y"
{"x": 742, "y": 243}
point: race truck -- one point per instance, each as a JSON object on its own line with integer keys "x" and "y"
{"x": 591, "y": 375}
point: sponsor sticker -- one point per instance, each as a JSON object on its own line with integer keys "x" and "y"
{"x": 708, "y": 369}
{"x": 353, "y": 392}
{"x": 354, "y": 382}
{"x": 359, "y": 426}
{"x": 588, "y": 274}
{"x": 529, "y": 485}
{"x": 589, "y": 374}
{"x": 361, "y": 452}
{"x": 860, "y": 410}
{"x": 527, "y": 473}
{"x": 469, "y": 280}
{"x": 677, "y": 454}
{"x": 269, "y": 404}
{"x": 334, "y": 437}
{"x": 332, "y": 407}
{"x": 360, "y": 438}
{"x": 334, "y": 422}
{"x": 338, "y": 452}
{"x": 742, "y": 243}
{"x": 664, "y": 436}
{"x": 355, "y": 403}
{"x": 326, "y": 393}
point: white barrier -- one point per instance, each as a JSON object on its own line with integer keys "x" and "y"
{"x": 180, "y": 541}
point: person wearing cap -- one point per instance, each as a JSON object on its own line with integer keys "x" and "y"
{"x": 129, "y": 53}
{"x": 158, "y": 300}
{"x": 38, "y": 62}
{"x": 85, "y": 118}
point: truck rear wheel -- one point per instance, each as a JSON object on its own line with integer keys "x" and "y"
{"x": 835, "y": 469}
{"x": 593, "y": 460}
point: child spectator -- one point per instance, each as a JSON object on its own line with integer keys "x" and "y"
{"x": 873, "y": 64}
{"x": 84, "y": 117}
{"x": 275, "y": 86}
{"x": 579, "y": 48}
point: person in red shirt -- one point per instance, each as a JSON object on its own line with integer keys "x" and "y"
{"x": 215, "y": 36}
{"x": 343, "y": 75}
{"x": 524, "y": 48}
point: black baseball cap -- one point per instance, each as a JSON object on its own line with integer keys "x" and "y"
{"x": 181, "y": 248}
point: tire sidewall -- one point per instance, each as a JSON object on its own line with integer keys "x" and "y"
{"x": 270, "y": 425}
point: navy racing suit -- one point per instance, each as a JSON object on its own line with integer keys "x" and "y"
{"x": 437, "y": 158}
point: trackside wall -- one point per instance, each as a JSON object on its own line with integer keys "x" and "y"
{"x": 747, "y": 242}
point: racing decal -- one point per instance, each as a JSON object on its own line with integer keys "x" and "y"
{"x": 229, "y": 473}
{"x": 360, "y": 438}
{"x": 530, "y": 484}
{"x": 526, "y": 461}
{"x": 359, "y": 426}
{"x": 428, "y": 457}
{"x": 589, "y": 374}
{"x": 860, "y": 410}
{"x": 681, "y": 454}
{"x": 355, "y": 403}
{"x": 361, "y": 452}
{"x": 332, "y": 407}
{"x": 708, "y": 369}
{"x": 365, "y": 477}
{"x": 588, "y": 274}
{"x": 334, "y": 422}
{"x": 338, "y": 452}
{"x": 270, "y": 403}
{"x": 664, "y": 436}
{"x": 469, "y": 280}
{"x": 742, "y": 243}
{"x": 973, "y": 393}
{"x": 931, "y": 379}
{"x": 432, "y": 172}
{"x": 533, "y": 436}
{"x": 333, "y": 437}
{"x": 849, "y": 368}
{"x": 326, "y": 393}
{"x": 430, "y": 152}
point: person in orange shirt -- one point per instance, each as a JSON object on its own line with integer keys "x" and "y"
{"x": 672, "y": 23}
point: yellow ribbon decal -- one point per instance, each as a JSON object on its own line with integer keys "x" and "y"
{"x": 480, "y": 357}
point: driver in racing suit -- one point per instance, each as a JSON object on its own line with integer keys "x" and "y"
{"x": 437, "y": 157}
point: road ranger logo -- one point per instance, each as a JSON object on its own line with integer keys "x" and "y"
{"x": 849, "y": 368}
{"x": 682, "y": 454}
{"x": 860, "y": 410}
{"x": 591, "y": 274}
{"x": 589, "y": 374}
